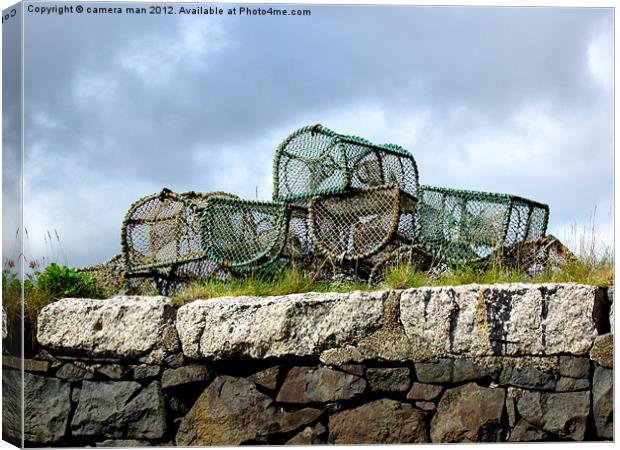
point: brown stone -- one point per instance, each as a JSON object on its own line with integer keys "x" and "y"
{"x": 426, "y": 406}
{"x": 30, "y": 365}
{"x": 396, "y": 379}
{"x": 267, "y": 378}
{"x": 194, "y": 373}
{"x": 309, "y": 436}
{"x": 468, "y": 413}
{"x": 290, "y": 421}
{"x": 526, "y": 432}
{"x": 603, "y": 350}
{"x": 382, "y": 421}
{"x": 230, "y": 411}
{"x": 423, "y": 391}
{"x": 322, "y": 384}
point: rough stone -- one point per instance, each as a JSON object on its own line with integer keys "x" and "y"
{"x": 145, "y": 371}
{"x": 314, "y": 435}
{"x": 174, "y": 360}
{"x": 435, "y": 371}
{"x": 47, "y": 404}
{"x": 468, "y": 413}
{"x": 426, "y": 406}
{"x": 396, "y": 379}
{"x": 112, "y": 371}
{"x": 187, "y": 374}
{"x": 567, "y": 384}
{"x": 230, "y": 411}
{"x": 70, "y": 372}
{"x": 528, "y": 377}
{"x": 267, "y": 378}
{"x": 603, "y": 350}
{"x": 120, "y": 409}
{"x": 11, "y": 406}
{"x": 75, "y": 394}
{"x": 123, "y": 443}
{"x": 322, "y": 384}
{"x": 291, "y": 421}
{"x": 515, "y": 319}
{"x": 526, "y": 432}
{"x": 382, "y": 421}
{"x": 355, "y": 369}
{"x": 563, "y": 414}
{"x": 574, "y": 367}
{"x": 465, "y": 369}
{"x": 603, "y": 402}
{"x": 422, "y": 391}
{"x": 125, "y": 327}
{"x": 298, "y": 324}
{"x": 30, "y": 365}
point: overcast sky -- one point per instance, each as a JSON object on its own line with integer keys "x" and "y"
{"x": 515, "y": 100}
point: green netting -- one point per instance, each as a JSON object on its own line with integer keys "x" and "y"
{"x": 315, "y": 160}
{"x": 160, "y": 233}
{"x": 359, "y": 223}
{"x": 461, "y": 226}
{"x": 240, "y": 234}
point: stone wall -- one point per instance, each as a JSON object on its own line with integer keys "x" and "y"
{"x": 455, "y": 364}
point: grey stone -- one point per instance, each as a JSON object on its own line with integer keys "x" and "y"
{"x": 122, "y": 327}
{"x": 267, "y": 378}
{"x": 563, "y": 414}
{"x": 72, "y": 373}
{"x": 120, "y": 409}
{"x": 396, "y": 379}
{"x": 567, "y": 384}
{"x": 603, "y": 402}
{"x": 231, "y": 411}
{"x": 187, "y": 374}
{"x": 526, "y": 432}
{"x": 381, "y": 421}
{"x": 574, "y": 367}
{"x": 469, "y": 413}
{"x": 513, "y": 320}
{"x": 29, "y": 365}
{"x": 174, "y": 360}
{"x": 602, "y": 351}
{"x": 12, "y": 405}
{"x": 322, "y": 384}
{"x": 47, "y": 405}
{"x": 527, "y": 377}
{"x": 466, "y": 370}
{"x": 435, "y": 371}
{"x": 123, "y": 443}
{"x": 297, "y": 324}
{"x": 75, "y": 394}
{"x": 145, "y": 371}
{"x": 422, "y": 391}
{"x": 112, "y": 371}
{"x": 312, "y": 435}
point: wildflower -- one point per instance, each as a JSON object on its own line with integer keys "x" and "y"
{"x": 32, "y": 264}
{"x": 10, "y": 263}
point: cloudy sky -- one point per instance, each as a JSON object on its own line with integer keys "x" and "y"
{"x": 515, "y": 100}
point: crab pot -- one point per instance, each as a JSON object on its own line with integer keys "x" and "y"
{"x": 461, "y": 226}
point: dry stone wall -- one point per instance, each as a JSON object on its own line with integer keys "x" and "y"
{"x": 451, "y": 364}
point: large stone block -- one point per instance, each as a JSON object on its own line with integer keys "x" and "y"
{"x": 125, "y": 327}
{"x": 298, "y": 324}
{"x": 512, "y": 320}
{"x": 562, "y": 414}
{"x": 231, "y": 411}
{"x": 322, "y": 384}
{"x": 47, "y": 404}
{"x": 120, "y": 409}
{"x": 382, "y": 421}
{"x": 469, "y": 413}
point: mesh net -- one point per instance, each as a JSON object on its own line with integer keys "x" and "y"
{"x": 315, "y": 160}
{"x": 409, "y": 255}
{"x": 242, "y": 234}
{"x": 161, "y": 232}
{"x": 357, "y": 224}
{"x": 467, "y": 226}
